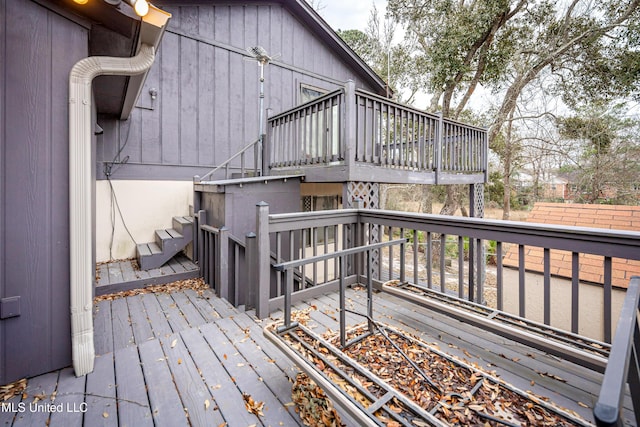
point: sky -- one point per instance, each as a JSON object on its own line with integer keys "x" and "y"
{"x": 348, "y": 15}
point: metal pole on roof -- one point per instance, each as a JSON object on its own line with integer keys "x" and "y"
{"x": 263, "y": 59}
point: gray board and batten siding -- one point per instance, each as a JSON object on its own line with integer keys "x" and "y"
{"x": 207, "y": 86}
{"x": 38, "y": 47}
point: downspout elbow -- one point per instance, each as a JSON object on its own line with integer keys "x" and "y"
{"x": 80, "y": 194}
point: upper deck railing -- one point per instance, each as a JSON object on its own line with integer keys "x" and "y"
{"x": 358, "y": 129}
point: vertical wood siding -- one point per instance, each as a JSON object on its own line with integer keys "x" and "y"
{"x": 34, "y": 250}
{"x": 208, "y": 88}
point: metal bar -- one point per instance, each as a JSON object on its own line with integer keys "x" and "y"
{"x": 279, "y": 259}
{"x": 288, "y": 279}
{"x": 429, "y": 261}
{"x": 344, "y": 252}
{"x": 547, "y": 286}
{"x": 343, "y": 318}
{"x": 416, "y": 253}
{"x": 443, "y": 278}
{"x": 521, "y": 281}
{"x": 402, "y": 258}
{"x": 575, "y": 291}
{"x": 499, "y": 277}
{"x": 461, "y": 268}
{"x": 607, "y": 301}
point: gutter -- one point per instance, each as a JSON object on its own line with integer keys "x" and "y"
{"x": 81, "y": 182}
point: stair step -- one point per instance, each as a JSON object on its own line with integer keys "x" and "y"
{"x": 173, "y": 233}
{"x": 148, "y": 249}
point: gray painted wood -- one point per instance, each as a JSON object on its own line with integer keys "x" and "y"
{"x": 159, "y": 323}
{"x": 42, "y": 386}
{"x": 172, "y": 312}
{"x": 121, "y": 321}
{"x": 102, "y": 327}
{"x": 102, "y": 408}
{"x": 139, "y": 320}
{"x": 193, "y": 391}
{"x": 34, "y": 248}
{"x": 133, "y": 402}
{"x": 246, "y": 379}
{"x": 69, "y": 393}
{"x": 223, "y": 389}
{"x": 207, "y": 104}
{"x": 166, "y": 406}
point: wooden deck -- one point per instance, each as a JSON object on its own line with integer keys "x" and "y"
{"x": 124, "y": 275}
{"x": 183, "y": 359}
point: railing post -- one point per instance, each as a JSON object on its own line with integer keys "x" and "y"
{"x": 437, "y": 149}
{"x": 200, "y": 218}
{"x": 222, "y": 264}
{"x": 195, "y": 230}
{"x": 263, "y": 260}
{"x": 266, "y": 154}
{"x": 247, "y": 294}
{"x": 350, "y": 131}
{"x": 358, "y": 241}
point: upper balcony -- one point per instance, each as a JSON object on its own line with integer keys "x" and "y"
{"x": 353, "y": 135}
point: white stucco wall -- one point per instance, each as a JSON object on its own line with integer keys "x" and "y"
{"x": 146, "y": 206}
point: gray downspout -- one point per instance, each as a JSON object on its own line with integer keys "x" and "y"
{"x": 80, "y": 193}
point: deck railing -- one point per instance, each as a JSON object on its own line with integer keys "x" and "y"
{"x": 243, "y": 170}
{"x": 355, "y": 126}
{"x": 307, "y": 134}
{"x": 624, "y": 364}
{"x": 456, "y": 268}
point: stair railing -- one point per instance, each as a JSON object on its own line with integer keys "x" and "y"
{"x": 243, "y": 170}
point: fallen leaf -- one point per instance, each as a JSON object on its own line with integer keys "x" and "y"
{"x": 174, "y": 342}
{"x": 105, "y": 415}
{"x": 206, "y": 404}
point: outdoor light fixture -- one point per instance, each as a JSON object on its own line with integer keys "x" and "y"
{"x": 141, "y": 7}
{"x": 81, "y": 1}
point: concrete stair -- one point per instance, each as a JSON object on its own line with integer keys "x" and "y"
{"x": 167, "y": 244}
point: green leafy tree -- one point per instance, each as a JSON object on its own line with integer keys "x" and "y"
{"x": 505, "y": 45}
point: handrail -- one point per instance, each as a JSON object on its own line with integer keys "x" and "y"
{"x": 226, "y": 163}
{"x": 622, "y": 366}
{"x": 288, "y": 267}
{"x": 307, "y": 104}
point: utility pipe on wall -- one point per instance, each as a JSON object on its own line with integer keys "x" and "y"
{"x": 80, "y": 193}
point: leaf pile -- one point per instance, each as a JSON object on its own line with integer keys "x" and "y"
{"x": 14, "y": 389}
{"x": 197, "y": 285}
{"x": 312, "y": 404}
{"x": 252, "y": 406}
{"x": 453, "y": 391}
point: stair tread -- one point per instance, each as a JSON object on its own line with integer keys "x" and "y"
{"x": 163, "y": 234}
{"x": 173, "y": 233}
{"x": 154, "y": 248}
{"x": 143, "y": 249}
{"x": 182, "y": 220}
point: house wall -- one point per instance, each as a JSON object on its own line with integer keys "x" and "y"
{"x": 38, "y": 47}
{"x": 206, "y": 107}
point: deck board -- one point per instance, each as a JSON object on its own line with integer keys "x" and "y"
{"x": 245, "y": 377}
{"x": 103, "y": 328}
{"x": 101, "y": 394}
{"x": 220, "y": 352}
{"x": 68, "y": 390}
{"x": 159, "y": 323}
{"x": 121, "y": 321}
{"x": 222, "y": 387}
{"x": 42, "y": 386}
{"x": 188, "y": 310}
{"x": 172, "y": 312}
{"x": 193, "y": 392}
{"x": 139, "y": 322}
{"x": 133, "y": 402}
{"x": 166, "y": 406}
